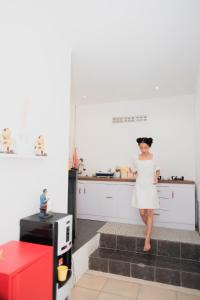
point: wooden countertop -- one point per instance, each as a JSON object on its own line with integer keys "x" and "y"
{"x": 93, "y": 178}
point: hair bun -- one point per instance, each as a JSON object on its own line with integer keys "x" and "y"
{"x": 139, "y": 140}
{"x": 145, "y": 140}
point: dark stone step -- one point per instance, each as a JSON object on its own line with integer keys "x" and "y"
{"x": 159, "y": 247}
{"x": 175, "y": 271}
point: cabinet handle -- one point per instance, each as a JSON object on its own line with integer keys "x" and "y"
{"x": 108, "y": 197}
{"x": 172, "y": 195}
{"x": 79, "y": 190}
{"x": 156, "y": 214}
{"x": 84, "y": 191}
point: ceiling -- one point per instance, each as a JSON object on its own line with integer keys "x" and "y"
{"x": 133, "y": 49}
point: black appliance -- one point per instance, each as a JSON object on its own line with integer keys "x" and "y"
{"x": 57, "y": 232}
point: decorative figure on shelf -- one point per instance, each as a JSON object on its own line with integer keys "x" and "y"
{"x": 7, "y": 141}
{"x": 40, "y": 146}
{"x": 44, "y": 205}
{"x": 81, "y": 167}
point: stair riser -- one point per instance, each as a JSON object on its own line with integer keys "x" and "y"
{"x": 159, "y": 247}
{"x": 146, "y": 272}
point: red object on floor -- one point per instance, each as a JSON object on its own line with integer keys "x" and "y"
{"x": 26, "y": 271}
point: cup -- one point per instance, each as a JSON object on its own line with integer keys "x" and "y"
{"x": 62, "y": 272}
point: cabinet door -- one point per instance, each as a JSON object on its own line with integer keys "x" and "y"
{"x": 183, "y": 204}
{"x": 96, "y": 199}
{"x": 79, "y": 195}
{"x": 85, "y": 205}
{"x": 106, "y": 204}
{"x": 124, "y": 207}
{"x": 163, "y": 213}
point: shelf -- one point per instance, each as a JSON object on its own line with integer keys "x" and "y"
{"x": 15, "y": 155}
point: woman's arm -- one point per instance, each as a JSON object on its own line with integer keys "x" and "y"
{"x": 156, "y": 176}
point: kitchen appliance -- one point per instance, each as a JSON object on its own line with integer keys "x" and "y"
{"x": 101, "y": 174}
{"x": 56, "y": 232}
{"x": 177, "y": 178}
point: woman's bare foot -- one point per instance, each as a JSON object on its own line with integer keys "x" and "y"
{"x": 147, "y": 246}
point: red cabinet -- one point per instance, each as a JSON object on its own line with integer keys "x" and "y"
{"x": 26, "y": 271}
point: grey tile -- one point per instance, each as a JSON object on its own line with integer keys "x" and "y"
{"x": 190, "y": 266}
{"x": 190, "y": 280}
{"x": 168, "y": 248}
{"x": 168, "y": 276}
{"x": 133, "y": 257}
{"x": 176, "y": 235}
{"x": 140, "y": 246}
{"x": 140, "y": 258}
{"x": 168, "y": 263}
{"x": 125, "y": 256}
{"x": 98, "y": 264}
{"x": 119, "y": 267}
{"x": 190, "y": 251}
{"x": 126, "y": 243}
{"x": 188, "y": 236}
{"x": 169, "y": 234}
{"x": 108, "y": 241}
{"x": 102, "y": 253}
{"x": 142, "y": 271}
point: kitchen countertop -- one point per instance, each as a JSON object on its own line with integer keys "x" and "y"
{"x": 93, "y": 178}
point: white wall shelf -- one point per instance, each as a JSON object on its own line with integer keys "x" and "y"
{"x": 15, "y": 155}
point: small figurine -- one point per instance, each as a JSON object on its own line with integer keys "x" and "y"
{"x": 40, "y": 146}
{"x": 44, "y": 205}
{"x": 7, "y": 141}
{"x": 81, "y": 167}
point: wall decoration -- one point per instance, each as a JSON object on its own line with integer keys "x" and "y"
{"x": 128, "y": 119}
{"x": 7, "y": 141}
{"x": 40, "y": 146}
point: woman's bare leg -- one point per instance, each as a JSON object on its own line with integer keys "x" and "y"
{"x": 143, "y": 214}
{"x": 147, "y": 245}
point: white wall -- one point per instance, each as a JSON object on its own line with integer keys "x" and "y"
{"x": 34, "y": 99}
{"x": 170, "y": 122}
{"x": 72, "y": 129}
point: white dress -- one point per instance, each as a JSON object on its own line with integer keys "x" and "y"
{"x": 145, "y": 193}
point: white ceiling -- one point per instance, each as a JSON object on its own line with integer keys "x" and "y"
{"x": 122, "y": 49}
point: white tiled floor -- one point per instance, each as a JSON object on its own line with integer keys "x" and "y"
{"x": 96, "y": 286}
{"x": 176, "y": 235}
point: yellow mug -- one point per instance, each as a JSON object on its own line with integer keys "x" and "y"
{"x": 62, "y": 272}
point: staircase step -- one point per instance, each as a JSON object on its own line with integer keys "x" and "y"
{"x": 159, "y": 247}
{"x": 169, "y": 270}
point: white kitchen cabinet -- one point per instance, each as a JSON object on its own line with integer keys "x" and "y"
{"x": 111, "y": 201}
{"x": 125, "y": 212}
{"x": 96, "y": 200}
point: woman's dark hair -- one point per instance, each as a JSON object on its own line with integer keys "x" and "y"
{"x": 145, "y": 140}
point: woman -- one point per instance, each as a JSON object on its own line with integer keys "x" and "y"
{"x": 145, "y": 195}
